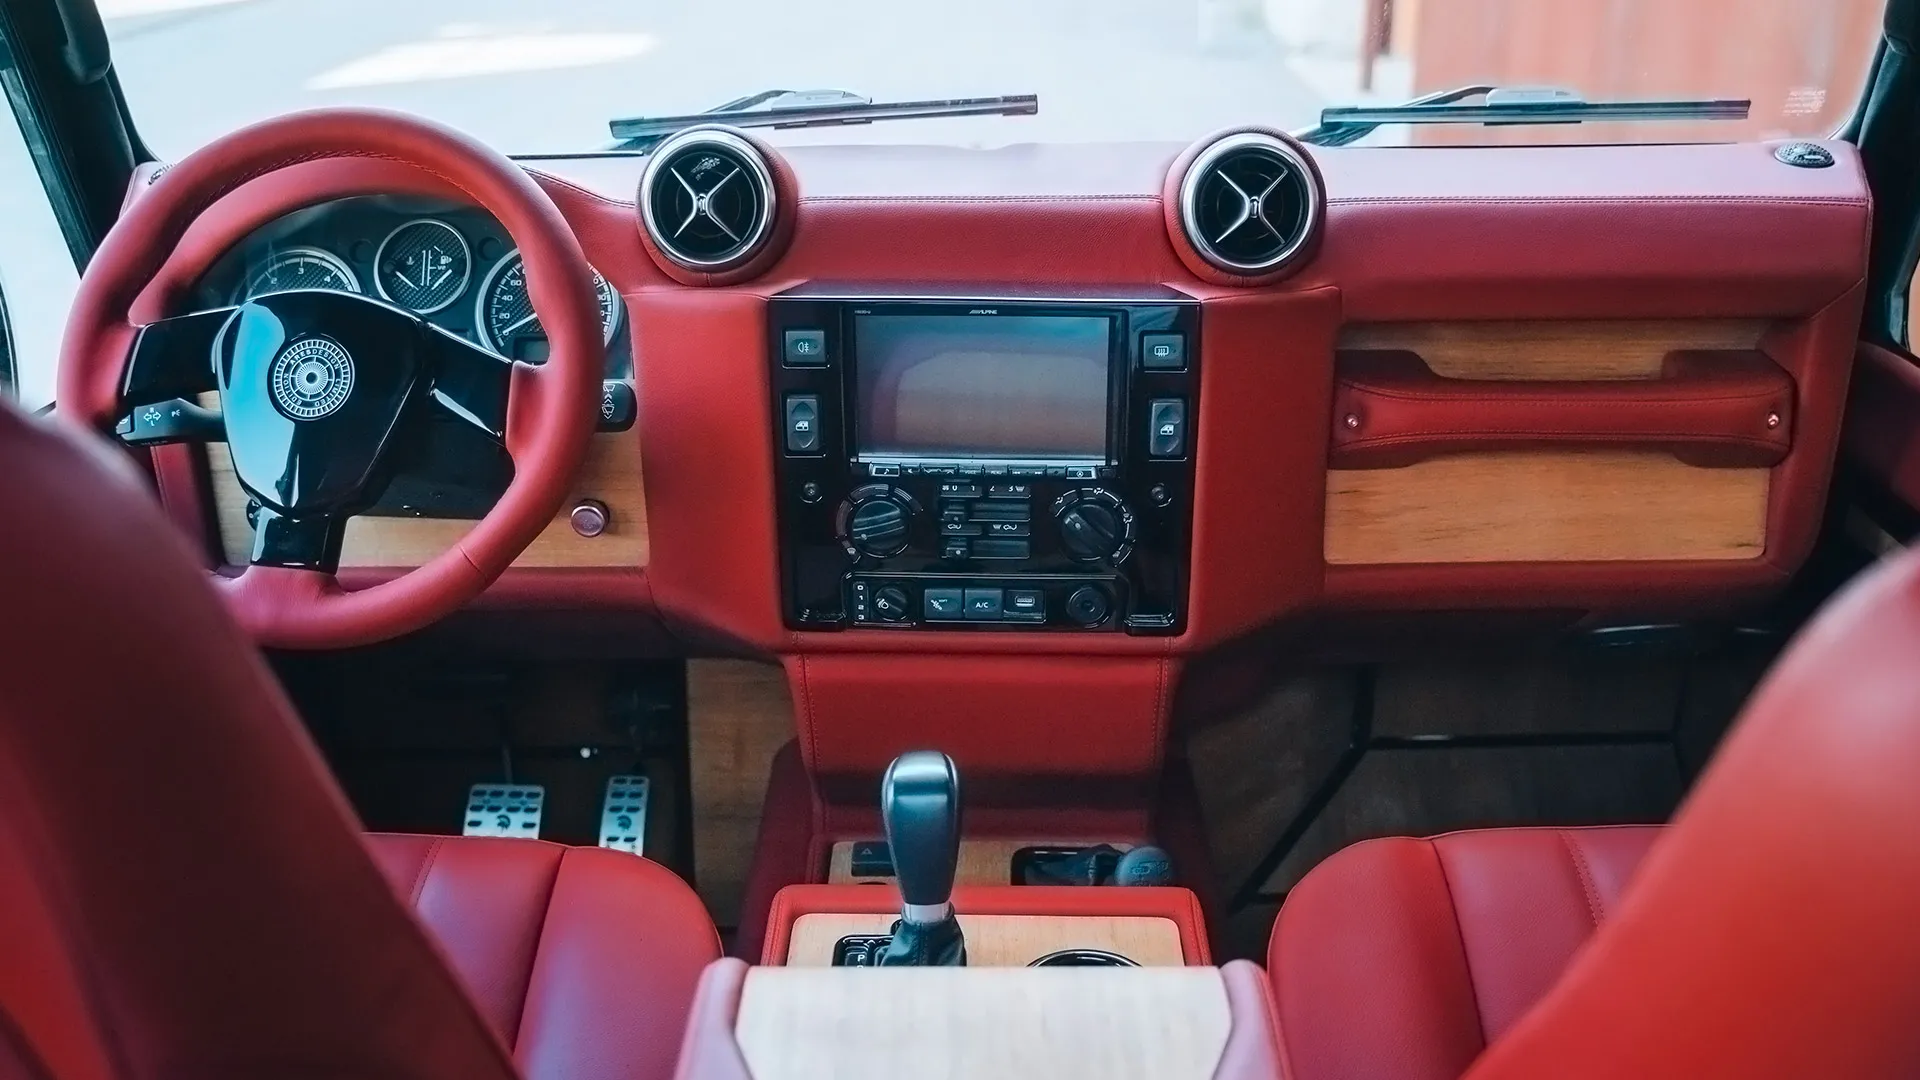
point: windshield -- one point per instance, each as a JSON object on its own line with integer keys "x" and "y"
{"x": 548, "y": 77}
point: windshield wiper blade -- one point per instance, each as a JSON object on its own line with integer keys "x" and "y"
{"x": 1509, "y": 105}
{"x": 816, "y": 108}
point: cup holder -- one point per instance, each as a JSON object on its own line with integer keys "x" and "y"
{"x": 1083, "y": 958}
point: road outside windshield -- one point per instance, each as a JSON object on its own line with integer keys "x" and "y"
{"x": 546, "y": 77}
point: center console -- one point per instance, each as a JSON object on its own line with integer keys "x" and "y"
{"x": 1004, "y": 461}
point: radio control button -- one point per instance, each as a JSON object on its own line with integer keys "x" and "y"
{"x": 954, "y": 512}
{"x": 990, "y": 548}
{"x": 1009, "y": 491}
{"x": 883, "y": 469}
{"x": 959, "y": 489}
{"x": 943, "y": 605}
{"x": 956, "y": 550}
{"x": 983, "y": 605}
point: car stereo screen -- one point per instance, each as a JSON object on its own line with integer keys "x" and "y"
{"x": 996, "y": 386}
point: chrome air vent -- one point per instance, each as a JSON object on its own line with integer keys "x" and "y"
{"x": 707, "y": 199}
{"x": 1249, "y": 203}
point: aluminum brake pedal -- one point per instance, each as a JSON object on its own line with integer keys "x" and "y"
{"x": 623, "y": 815}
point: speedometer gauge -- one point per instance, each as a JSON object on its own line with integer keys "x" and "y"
{"x": 299, "y": 268}
{"x": 505, "y": 315}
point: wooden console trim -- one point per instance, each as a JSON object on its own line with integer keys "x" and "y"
{"x": 978, "y": 1023}
{"x": 610, "y": 474}
{"x": 1004, "y": 940}
{"x": 1545, "y": 506}
{"x": 982, "y": 861}
{"x": 799, "y": 1024}
{"x": 1572, "y": 505}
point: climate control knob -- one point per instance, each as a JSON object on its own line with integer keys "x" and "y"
{"x": 1094, "y": 525}
{"x": 877, "y": 527}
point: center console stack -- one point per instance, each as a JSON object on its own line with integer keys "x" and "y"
{"x": 1003, "y": 461}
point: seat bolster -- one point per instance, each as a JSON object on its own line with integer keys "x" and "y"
{"x": 585, "y": 960}
{"x": 1370, "y": 977}
{"x": 621, "y": 955}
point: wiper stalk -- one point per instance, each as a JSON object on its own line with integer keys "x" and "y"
{"x": 1508, "y": 105}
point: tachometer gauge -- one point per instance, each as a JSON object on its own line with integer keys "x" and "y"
{"x": 505, "y": 315}
{"x": 423, "y": 265}
{"x": 299, "y": 268}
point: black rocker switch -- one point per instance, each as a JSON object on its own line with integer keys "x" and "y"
{"x": 920, "y": 807}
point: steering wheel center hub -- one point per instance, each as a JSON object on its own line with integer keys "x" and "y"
{"x": 312, "y": 378}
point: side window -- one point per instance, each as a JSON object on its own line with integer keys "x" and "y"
{"x": 37, "y": 275}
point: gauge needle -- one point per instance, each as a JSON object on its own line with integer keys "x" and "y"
{"x": 511, "y": 327}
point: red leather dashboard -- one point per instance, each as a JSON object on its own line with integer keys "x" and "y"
{"x": 1414, "y": 235}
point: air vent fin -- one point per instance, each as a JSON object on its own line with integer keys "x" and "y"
{"x": 1249, "y": 203}
{"x": 707, "y": 199}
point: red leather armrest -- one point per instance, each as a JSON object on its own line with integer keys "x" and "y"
{"x": 1709, "y": 408}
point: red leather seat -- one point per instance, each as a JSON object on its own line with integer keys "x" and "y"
{"x": 1770, "y": 931}
{"x": 185, "y": 893}
{"x": 1436, "y": 947}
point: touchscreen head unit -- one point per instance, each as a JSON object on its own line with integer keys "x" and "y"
{"x": 996, "y": 463}
{"x": 983, "y": 385}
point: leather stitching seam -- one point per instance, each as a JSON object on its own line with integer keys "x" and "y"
{"x": 425, "y": 871}
{"x": 1585, "y": 873}
{"x": 1460, "y": 935}
{"x": 512, "y": 1038}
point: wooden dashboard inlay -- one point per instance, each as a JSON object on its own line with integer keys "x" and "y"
{"x": 1547, "y": 505}
{"x": 968, "y": 1023}
{"x": 610, "y": 474}
{"x": 1005, "y": 940}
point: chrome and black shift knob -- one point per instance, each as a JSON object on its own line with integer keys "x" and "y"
{"x": 920, "y": 807}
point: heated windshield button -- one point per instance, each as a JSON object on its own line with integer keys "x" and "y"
{"x": 803, "y": 423}
{"x": 806, "y": 348}
{"x": 1163, "y": 352}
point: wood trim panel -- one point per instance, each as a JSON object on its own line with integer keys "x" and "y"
{"x": 1550, "y": 506}
{"x": 983, "y": 1024}
{"x": 1005, "y": 940}
{"x": 739, "y": 715}
{"x": 610, "y": 474}
{"x": 1571, "y": 505}
{"x": 1581, "y": 349}
{"x": 982, "y": 862}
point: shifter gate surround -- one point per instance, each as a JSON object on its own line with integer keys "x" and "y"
{"x": 1083, "y": 958}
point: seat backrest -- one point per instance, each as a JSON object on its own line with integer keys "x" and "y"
{"x": 1774, "y": 931}
{"x": 183, "y": 891}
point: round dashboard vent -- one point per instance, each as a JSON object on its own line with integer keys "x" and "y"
{"x": 707, "y": 199}
{"x": 1249, "y": 203}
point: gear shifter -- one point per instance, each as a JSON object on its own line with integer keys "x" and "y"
{"x": 920, "y": 806}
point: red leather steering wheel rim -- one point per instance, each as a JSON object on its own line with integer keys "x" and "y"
{"x": 551, "y": 408}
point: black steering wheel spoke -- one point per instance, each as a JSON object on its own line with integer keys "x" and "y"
{"x": 169, "y": 366}
{"x": 470, "y": 382}
{"x": 302, "y": 543}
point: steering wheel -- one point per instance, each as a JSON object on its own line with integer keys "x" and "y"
{"x": 317, "y": 388}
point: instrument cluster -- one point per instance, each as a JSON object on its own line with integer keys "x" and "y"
{"x": 453, "y": 265}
